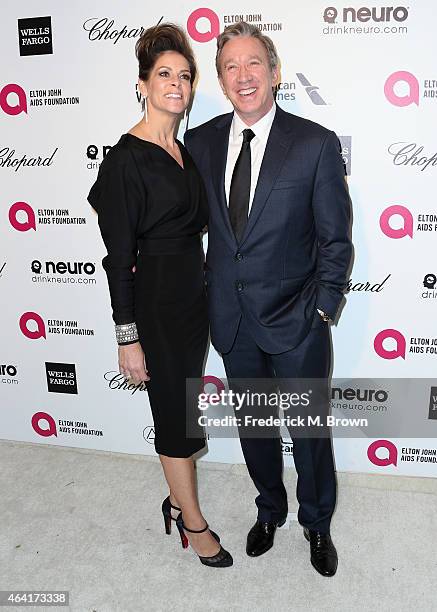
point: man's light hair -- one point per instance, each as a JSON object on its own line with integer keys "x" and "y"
{"x": 246, "y": 29}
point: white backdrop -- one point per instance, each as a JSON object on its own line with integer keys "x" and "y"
{"x": 67, "y": 92}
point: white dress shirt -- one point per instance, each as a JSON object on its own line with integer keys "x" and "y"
{"x": 261, "y": 129}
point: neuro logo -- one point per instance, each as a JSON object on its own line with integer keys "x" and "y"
{"x": 412, "y": 97}
{"x": 36, "y": 266}
{"x": 330, "y": 14}
{"x": 391, "y": 454}
{"x": 47, "y": 420}
{"x": 407, "y": 227}
{"x": 63, "y": 267}
{"x": 430, "y": 281}
{"x": 365, "y": 13}
{"x": 214, "y": 25}
{"x": 22, "y": 226}
{"x": 39, "y": 332}
{"x": 149, "y": 434}
{"x": 395, "y": 335}
{"x": 312, "y": 90}
{"x": 7, "y": 101}
{"x": 92, "y": 151}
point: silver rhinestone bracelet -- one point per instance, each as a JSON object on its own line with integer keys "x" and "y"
{"x": 127, "y": 332}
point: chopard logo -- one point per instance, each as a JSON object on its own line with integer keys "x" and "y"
{"x": 102, "y": 28}
{"x": 8, "y": 159}
{"x": 411, "y": 154}
{"x": 118, "y": 381}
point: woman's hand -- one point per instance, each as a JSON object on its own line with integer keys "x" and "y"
{"x": 132, "y": 363}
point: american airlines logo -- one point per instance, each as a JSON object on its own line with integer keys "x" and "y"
{"x": 311, "y": 90}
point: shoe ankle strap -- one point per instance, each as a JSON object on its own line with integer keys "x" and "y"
{"x": 195, "y": 530}
{"x": 174, "y": 507}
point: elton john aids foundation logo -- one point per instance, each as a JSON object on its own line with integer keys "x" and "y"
{"x": 40, "y": 420}
{"x": 27, "y": 219}
{"x": 394, "y": 336}
{"x": 22, "y": 216}
{"x": 33, "y": 327}
{"x": 382, "y": 458}
{"x": 45, "y": 425}
{"x": 13, "y": 100}
{"x": 213, "y": 383}
{"x": 37, "y": 321}
{"x": 386, "y": 225}
{"x": 402, "y": 89}
{"x": 203, "y": 25}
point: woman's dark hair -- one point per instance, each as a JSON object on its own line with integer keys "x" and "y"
{"x": 157, "y": 40}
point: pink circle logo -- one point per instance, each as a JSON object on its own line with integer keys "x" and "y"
{"x": 22, "y": 226}
{"x": 407, "y": 227}
{"x": 390, "y": 459}
{"x": 214, "y": 25}
{"x": 46, "y": 431}
{"x": 6, "y": 106}
{"x": 412, "y": 97}
{"x": 39, "y": 332}
{"x": 210, "y": 399}
{"x": 395, "y": 335}
{"x": 213, "y": 380}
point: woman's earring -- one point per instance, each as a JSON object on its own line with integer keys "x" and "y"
{"x": 185, "y": 120}
{"x": 144, "y": 108}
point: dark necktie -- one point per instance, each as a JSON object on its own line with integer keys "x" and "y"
{"x": 239, "y": 192}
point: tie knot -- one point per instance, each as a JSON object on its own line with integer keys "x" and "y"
{"x": 248, "y": 135}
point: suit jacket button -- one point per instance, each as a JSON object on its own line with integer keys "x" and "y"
{"x": 239, "y": 286}
{"x": 238, "y": 256}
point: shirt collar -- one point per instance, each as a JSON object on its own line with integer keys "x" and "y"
{"x": 261, "y": 128}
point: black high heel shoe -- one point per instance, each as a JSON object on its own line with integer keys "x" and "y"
{"x": 166, "y": 513}
{"x": 167, "y": 507}
{"x": 221, "y": 559}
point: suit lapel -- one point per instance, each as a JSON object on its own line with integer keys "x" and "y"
{"x": 218, "y": 155}
{"x": 278, "y": 144}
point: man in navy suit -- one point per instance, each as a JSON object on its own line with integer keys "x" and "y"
{"x": 278, "y": 255}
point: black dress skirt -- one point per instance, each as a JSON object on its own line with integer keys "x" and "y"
{"x": 151, "y": 212}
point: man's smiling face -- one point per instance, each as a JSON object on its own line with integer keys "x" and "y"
{"x": 246, "y": 77}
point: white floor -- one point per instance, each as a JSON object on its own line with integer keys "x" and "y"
{"x": 89, "y": 522}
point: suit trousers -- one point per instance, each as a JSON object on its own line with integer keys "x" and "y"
{"x": 316, "y": 482}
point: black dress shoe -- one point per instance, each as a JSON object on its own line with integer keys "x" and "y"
{"x": 260, "y": 537}
{"x": 323, "y": 554}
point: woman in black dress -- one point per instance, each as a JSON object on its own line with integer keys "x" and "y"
{"x": 152, "y": 207}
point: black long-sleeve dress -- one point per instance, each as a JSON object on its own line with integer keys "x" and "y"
{"x": 151, "y": 212}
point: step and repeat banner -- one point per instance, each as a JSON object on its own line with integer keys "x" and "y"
{"x": 67, "y": 93}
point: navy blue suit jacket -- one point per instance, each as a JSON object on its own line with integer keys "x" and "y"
{"x": 295, "y": 252}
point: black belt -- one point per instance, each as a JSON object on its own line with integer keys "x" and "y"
{"x": 168, "y": 246}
